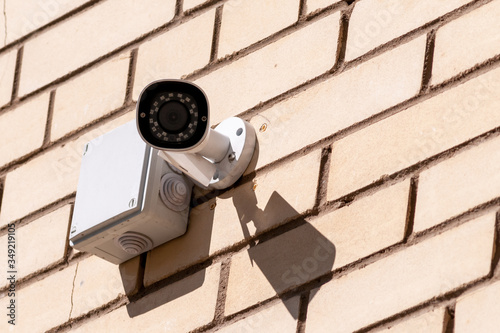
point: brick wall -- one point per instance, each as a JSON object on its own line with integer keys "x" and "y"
{"x": 373, "y": 203}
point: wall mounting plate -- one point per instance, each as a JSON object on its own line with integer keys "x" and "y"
{"x": 222, "y": 174}
{"x": 242, "y": 145}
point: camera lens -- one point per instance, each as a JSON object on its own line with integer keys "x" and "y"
{"x": 172, "y": 114}
{"x": 173, "y": 117}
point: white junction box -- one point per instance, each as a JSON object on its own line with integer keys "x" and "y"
{"x": 128, "y": 200}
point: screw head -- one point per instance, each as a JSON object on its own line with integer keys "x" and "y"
{"x": 263, "y": 127}
{"x": 131, "y": 203}
{"x": 143, "y": 115}
{"x": 86, "y": 149}
{"x": 231, "y": 157}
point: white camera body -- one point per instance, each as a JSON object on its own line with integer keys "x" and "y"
{"x": 173, "y": 116}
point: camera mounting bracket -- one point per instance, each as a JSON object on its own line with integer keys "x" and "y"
{"x": 225, "y": 172}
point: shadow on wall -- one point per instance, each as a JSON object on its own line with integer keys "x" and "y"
{"x": 290, "y": 259}
{"x": 287, "y": 260}
{"x": 195, "y": 243}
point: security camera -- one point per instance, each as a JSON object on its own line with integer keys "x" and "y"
{"x": 133, "y": 193}
{"x": 173, "y": 116}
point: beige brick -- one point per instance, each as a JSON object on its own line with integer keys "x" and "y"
{"x": 24, "y": 17}
{"x": 430, "y": 322}
{"x": 49, "y": 246}
{"x": 2, "y": 25}
{"x": 81, "y": 100}
{"x": 7, "y": 68}
{"x": 375, "y": 22}
{"x": 341, "y": 101}
{"x": 42, "y": 305}
{"x": 97, "y": 282}
{"x": 450, "y": 55}
{"x": 87, "y": 36}
{"x": 273, "y": 69}
{"x": 415, "y": 134}
{"x": 278, "y": 196}
{"x": 404, "y": 279}
{"x": 179, "y": 307}
{"x": 22, "y": 129}
{"x": 245, "y": 22}
{"x": 478, "y": 311}
{"x": 278, "y": 318}
{"x": 48, "y": 177}
{"x": 188, "y": 4}
{"x": 313, "y": 5}
{"x": 458, "y": 184}
{"x": 5, "y": 326}
{"x": 327, "y": 243}
{"x": 189, "y": 47}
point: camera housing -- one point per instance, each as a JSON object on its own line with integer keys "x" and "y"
{"x": 174, "y": 117}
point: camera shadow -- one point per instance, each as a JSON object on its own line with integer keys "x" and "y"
{"x": 287, "y": 260}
